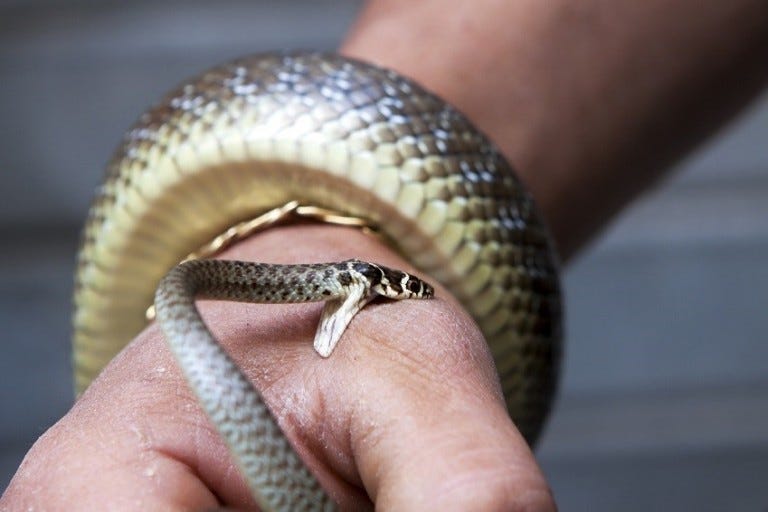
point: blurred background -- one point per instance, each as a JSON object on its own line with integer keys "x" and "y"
{"x": 664, "y": 402}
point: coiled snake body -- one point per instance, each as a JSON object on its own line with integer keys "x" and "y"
{"x": 322, "y": 130}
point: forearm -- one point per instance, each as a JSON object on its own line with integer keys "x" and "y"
{"x": 591, "y": 101}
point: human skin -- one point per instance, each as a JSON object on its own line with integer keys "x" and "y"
{"x": 396, "y": 412}
{"x": 589, "y": 100}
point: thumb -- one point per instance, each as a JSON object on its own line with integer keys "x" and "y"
{"x": 430, "y": 430}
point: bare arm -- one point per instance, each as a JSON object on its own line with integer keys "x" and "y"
{"x": 591, "y": 101}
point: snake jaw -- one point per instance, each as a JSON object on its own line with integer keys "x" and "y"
{"x": 364, "y": 281}
{"x": 391, "y": 283}
{"x": 399, "y": 285}
{"x": 338, "y": 313}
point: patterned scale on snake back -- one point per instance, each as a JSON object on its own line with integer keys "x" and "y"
{"x": 338, "y": 133}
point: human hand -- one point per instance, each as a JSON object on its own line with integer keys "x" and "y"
{"x": 407, "y": 412}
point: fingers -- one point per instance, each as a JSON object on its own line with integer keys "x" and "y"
{"x": 407, "y": 410}
{"x": 429, "y": 430}
{"x": 410, "y": 402}
{"x": 109, "y": 452}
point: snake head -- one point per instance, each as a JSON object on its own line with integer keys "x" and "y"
{"x": 414, "y": 288}
{"x": 394, "y": 284}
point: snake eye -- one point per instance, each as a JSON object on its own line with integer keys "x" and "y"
{"x": 414, "y": 286}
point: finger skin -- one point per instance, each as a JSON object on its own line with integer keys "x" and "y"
{"x": 407, "y": 411}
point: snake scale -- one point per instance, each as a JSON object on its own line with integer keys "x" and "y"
{"x": 340, "y": 134}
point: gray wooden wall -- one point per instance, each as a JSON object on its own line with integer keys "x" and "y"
{"x": 664, "y": 401}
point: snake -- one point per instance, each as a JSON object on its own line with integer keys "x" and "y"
{"x": 330, "y": 132}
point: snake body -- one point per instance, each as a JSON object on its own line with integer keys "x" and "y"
{"x": 323, "y": 130}
{"x": 277, "y": 477}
